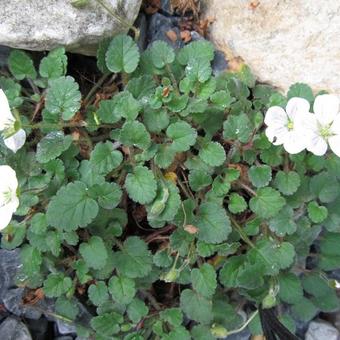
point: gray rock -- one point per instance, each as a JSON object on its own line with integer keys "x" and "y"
{"x": 38, "y": 328}
{"x": 158, "y": 27}
{"x": 320, "y": 330}
{"x": 283, "y": 42}
{"x": 83, "y": 318}
{"x": 13, "y": 329}
{"x": 13, "y": 303}
{"x": 9, "y": 266}
{"x": 65, "y": 327}
{"x": 142, "y": 25}
{"x": 219, "y": 64}
{"x": 46, "y": 24}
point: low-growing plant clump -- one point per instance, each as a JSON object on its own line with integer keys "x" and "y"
{"x": 163, "y": 204}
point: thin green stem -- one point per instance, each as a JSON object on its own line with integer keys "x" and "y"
{"x": 173, "y": 79}
{"x": 247, "y": 188}
{"x": 242, "y": 234}
{"x": 119, "y": 18}
{"x": 99, "y": 83}
{"x": 238, "y": 330}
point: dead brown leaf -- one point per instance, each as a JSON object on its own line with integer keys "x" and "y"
{"x": 172, "y": 35}
{"x": 186, "y": 36}
{"x": 186, "y": 6}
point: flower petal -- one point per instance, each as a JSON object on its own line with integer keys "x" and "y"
{"x": 6, "y": 172}
{"x": 276, "y": 116}
{"x": 334, "y": 143}
{"x": 16, "y": 141}
{"x": 326, "y": 107}
{"x": 5, "y": 111}
{"x": 294, "y": 143}
{"x": 5, "y": 217}
{"x": 276, "y": 134}
{"x": 296, "y": 106}
{"x": 335, "y": 128}
{"x": 317, "y": 145}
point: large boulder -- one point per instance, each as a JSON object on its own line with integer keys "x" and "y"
{"x": 45, "y": 24}
{"x": 282, "y": 41}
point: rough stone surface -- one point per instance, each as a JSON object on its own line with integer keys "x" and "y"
{"x": 9, "y": 265}
{"x": 282, "y": 41}
{"x": 319, "y": 330}
{"x": 46, "y": 24}
{"x": 13, "y": 329}
{"x": 13, "y": 303}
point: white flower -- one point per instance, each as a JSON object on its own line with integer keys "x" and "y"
{"x": 14, "y": 137}
{"x": 323, "y": 126}
{"x": 284, "y": 126}
{"x": 9, "y": 201}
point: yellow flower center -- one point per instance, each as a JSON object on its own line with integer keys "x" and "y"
{"x": 290, "y": 125}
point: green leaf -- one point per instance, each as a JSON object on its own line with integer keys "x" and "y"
{"x": 213, "y": 223}
{"x": 196, "y": 307}
{"x": 267, "y": 202}
{"x": 108, "y": 194}
{"x": 135, "y": 134}
{"x": 71, "y": 207}
{"x": 141, "y": 185}
{"x": 173, "y": 316}
{"x": 94, "y": 252}
{"x": 275, "y": 256}
{"x": 52, "y": 146}
{"x": 213, "y": 154}
{"x": 98, "y": 293}
{"x": 325, "y": 187}
{"x": 329, "y": 244}
{"x": 107, "y": 324}
{"x": 63, "y": 98}
{"x": 107, "y": 113}
{"x": 39, "y": 224}
{"x": 316, "y": 212}
{"x": 165, "y": 156}
{"x": 283, "y": 223}
{"x": 229, "y": 272}
{"x": 101, "y": 54}
{"x": 237, "y": 128}
{"x": 126, "y": 106}
{"x": 31, "y": 260}
{"x": 199, "y": 179}
{"x": 260, "y": 176}
{"x": 161, "y": 54}
{"x": 156, "y": 120}
{"x": 304, "y": 310}
{"x": 134, "y": 260}
{"x": 301, "y": 90}
{"x": 183, "y": 136}
{"x": 122, "y": 54}
{"x": 137, "y": 310}
{"x": 290, "y": 288}
{"x": 198, "y": 70}
{"x": 56, "y": 285}
{"x": 237, "y": 203}
{"x": 204, "y": 280}
{"x": 196, "y": 50}
{"x": 122, "y": 289}
{"x": 287, "y": 182}
{"x": 104, "y": 158}
{"x": 222, "y": 98}
{"x": 21, "y": 65}
{"x": 54, "y": 65}
{"x": 67, "y": 308}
